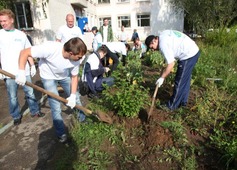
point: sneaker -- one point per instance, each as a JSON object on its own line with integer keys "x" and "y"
{"x": 164, "y": 108}
{"x": 40, "y": 114}
{"x": 81, "y": 117}
{"x": 17, "y": 121}
{"x": 63, "y": 138}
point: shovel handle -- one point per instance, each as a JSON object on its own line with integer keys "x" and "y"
{"x": 47, "y": 92}
{"x": 153, "y": 101}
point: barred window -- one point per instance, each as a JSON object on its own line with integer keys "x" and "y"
{"x": 23, "y": 15}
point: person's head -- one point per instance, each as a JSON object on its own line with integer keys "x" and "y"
{"x": 105, "y": 22}
{"x": 76, "y": 49}
{"x": 127, "y": 47}
{"x": 135, "y": 30}
{"x": 7, "y": 19}
{"x": 136, "y": 41}
{"x": 70, "y": 20}
{"x": 102, "y": 50}
{"x": 94, "y": 30}
{"x": 152, "y": 42}
{"x": 122, "y": 28}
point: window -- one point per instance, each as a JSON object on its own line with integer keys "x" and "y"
{"x": 121, "y": 1}
{"x": 143, "y": 20}
{"x": 124, "y": 20}
{"x": 102, "y": 19}
{"x": 23, "y": 15}
{"x": 103, "y": 1}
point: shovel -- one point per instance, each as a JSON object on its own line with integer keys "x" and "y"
{"x": 153, "y": 102}
{"x": 101, "y": 116}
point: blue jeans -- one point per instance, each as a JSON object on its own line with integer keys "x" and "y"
{"x": 55, "y": 105}
{"x": 14, "y": 106}
{"x": 182, "y": 82}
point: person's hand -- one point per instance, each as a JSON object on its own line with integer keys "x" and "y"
{"x": 107, "y": 69}
{"x": 21, "y": 77}
{"x": 71, "y": 101}
{"x": 32, "y": 70}
{"x": 160, "y": 81}
{"x": 2, "y": 76}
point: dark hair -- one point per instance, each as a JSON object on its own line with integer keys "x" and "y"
{"x": 103, "y": 49}
{"x": 148, "y": 40}
{"x": 76, "y": 46}
{"x": 128, "y": 46}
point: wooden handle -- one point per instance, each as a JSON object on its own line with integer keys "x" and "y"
{"x": 47, "y": 92}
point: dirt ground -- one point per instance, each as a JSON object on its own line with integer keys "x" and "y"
{"x": 33, "y": 143}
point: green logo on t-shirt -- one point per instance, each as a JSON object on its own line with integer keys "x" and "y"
{"x": 177, "y": 33}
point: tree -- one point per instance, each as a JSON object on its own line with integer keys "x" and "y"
{"x": 202, "y": 15}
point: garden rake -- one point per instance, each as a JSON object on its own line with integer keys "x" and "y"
{"x": 101, "y": 116}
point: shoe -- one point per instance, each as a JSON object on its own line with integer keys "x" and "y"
{"x": 63, "y": 138}
{"x": 17, "y": 121}
{"x": 164, "y": 108}
{"x": 81, "y": 117}
{"x": 93, "y": 96}
{"x": 40, "y": 114}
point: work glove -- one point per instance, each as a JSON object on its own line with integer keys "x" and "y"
{"x": 2, "y": 76}
{"x": 107, "y": 69}
{"x": 32, "y": 70}
{"x": 71, "y": 101}
{"x": 160, "y": 81}
{"x": 21, "y": 77}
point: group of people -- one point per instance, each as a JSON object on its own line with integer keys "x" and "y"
{"x": 60, "y": 60}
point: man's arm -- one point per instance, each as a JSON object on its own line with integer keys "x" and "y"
{"x": 24, "y": 56}
{"x": 74, "y": 84}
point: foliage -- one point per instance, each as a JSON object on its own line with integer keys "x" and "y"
{"x": 203, "y": 15}
{"x": 89, "y": 137}
{"x": 127, "y": 96}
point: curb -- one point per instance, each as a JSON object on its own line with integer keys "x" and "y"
{"x": 7, "y": 126}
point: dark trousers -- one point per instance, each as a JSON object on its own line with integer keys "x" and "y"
{"x": 182, "y": 82}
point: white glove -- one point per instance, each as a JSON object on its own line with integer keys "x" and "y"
{"x": 107, "y": 69}
{"x": 160, "y": 81}
{"x": 21, "y": 77}
{"x": 32, "y": 70}
{"x": 2, "y": 76}
{"x": 71, "y": 101}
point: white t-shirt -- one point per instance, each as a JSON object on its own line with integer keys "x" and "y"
{"x": 175, "y": 45}
{"x": 117, "y": 47}
{"x": 123, "y": 36}
{"x": 94, "y": 62}
{"x": 97, "y": 41}
{"x": 52, "y": 64}
{"x": 65, "y": 33}
{"x": 11, "y": 44}
{"x": 105, "y": 33}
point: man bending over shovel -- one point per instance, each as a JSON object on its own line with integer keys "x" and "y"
{"x": 59, "y": 64}
{"x": 175, "y": 45}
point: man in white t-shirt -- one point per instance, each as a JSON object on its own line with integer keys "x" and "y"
{"x": 58, "y": 65}
{"x": 12, "y": 41}
{"x": 68, "y": 31}
{"x": 175, "y": 45}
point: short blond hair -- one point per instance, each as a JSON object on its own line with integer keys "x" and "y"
{"x": 7, "y": 12}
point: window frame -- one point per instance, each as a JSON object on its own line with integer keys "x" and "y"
{"x": 23, "y": 20}
{"x": 103, "y": 1}
{"x": 141, "y": 19}
{"x": 120, "y": 21}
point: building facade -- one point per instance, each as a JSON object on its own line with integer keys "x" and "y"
{"x": 42, "y": 18}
